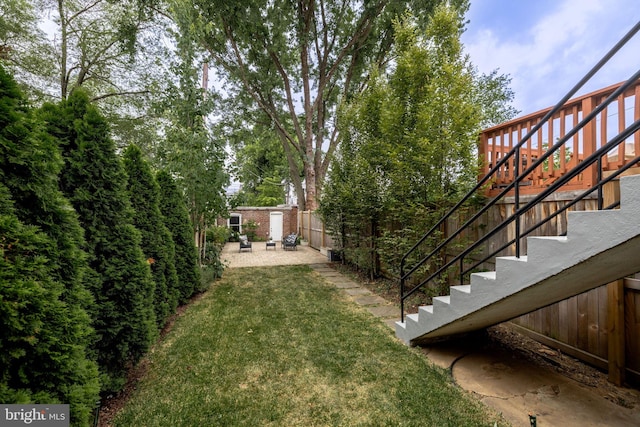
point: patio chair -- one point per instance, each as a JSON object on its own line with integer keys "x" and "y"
{"x": 245, "y": 243}
{"x": 290, "y": 242}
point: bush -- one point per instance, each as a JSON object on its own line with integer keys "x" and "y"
{"x": 121, "y": 283}
{"x": 46, "y": 330}
{"x": 176, "y": 218}
{"x": 218, "y": 235}
{"x": 250, "y": 228}
{"x": 157, "y": 241}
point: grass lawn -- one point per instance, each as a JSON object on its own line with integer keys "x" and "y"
{"x": 279, "y": 346}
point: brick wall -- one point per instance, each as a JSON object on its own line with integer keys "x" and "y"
{"x": 261, "y": 216}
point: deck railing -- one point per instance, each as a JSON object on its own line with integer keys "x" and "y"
{"x": 498, "y": 141}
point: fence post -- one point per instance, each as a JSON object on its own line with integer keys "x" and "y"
{"x": 322, "y": 237}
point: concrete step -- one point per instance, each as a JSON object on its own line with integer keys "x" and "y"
{"x": 600, "y": 246}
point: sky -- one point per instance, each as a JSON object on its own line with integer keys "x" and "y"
{"x": 547, "y": 46}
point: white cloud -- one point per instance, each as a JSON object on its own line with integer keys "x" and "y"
{"x": 547, "y": 59}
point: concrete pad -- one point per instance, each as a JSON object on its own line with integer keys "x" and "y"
{"x": 517, "y": 388}
{"x": 259, "y": 256}
{"x": 345, "y": 284}
{"x": 330, "y": 273}
{"x": 321, "y": 266}
{"x": 339, "y": 280}
{"x": 445, "y": 356}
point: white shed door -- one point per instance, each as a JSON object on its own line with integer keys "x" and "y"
{"x": 275, "y": 225}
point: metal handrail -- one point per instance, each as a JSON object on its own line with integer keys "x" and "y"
{"x": 514, "y": 153}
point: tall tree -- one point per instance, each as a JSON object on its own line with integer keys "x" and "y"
{"x": 24, "y": 48}
{"x": 157, "y": 243}
{"x": 409, "y": 145}
{"x": 46, "y": 329}
{"x": 114, "y": 50}
{"x": 189, "y": 151}
{"x": 297, "y": 61}
{"x": 96, "y": 42}
{"x": 94, "y": 181}
{"x": 176, "y": 218}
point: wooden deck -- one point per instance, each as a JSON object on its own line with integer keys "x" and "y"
{"x": 497, "y": 141}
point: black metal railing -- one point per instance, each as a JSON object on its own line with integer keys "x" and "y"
{"x": 513, "y": 189}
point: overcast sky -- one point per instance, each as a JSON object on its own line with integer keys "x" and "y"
{"x": 547, "y": 46}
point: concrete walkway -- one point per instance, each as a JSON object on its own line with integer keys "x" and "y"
{"x": 511, "y": 385}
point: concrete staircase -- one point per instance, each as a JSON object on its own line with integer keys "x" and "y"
{"x": 600, "y": 247}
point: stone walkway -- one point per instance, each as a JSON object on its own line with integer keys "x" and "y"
{"x": 376, "y": 305}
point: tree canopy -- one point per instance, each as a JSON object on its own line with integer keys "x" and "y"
{"x": 296, "y": 61}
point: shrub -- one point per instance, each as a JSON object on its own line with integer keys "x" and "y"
{"x": 46, "y": 330}
{"x": 157, "y": 243}
{"x": 176, "y": 218}
{"x": 121, "y": 283}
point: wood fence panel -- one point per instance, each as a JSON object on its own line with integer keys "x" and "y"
{"x": 563, "y": 321}
{"x": 593, "y": 331}
{"x": 603, "y": 333}
{"x": 311, "y": 228}
{"x": 632, "y": 329}
{"x": 583, "y": 321}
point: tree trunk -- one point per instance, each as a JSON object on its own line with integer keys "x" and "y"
{"x": 294, "y": 171}
{"x": 63, "y": 51}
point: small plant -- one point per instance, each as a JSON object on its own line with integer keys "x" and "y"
{"x": 250, "y": 228}
{"x": 219, "y": 235}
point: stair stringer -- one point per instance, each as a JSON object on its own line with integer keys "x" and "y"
{"x": 600, "y": 247}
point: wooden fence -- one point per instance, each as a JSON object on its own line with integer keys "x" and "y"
{"x": 311, "y": 228}
{"x": 600, "y": 327}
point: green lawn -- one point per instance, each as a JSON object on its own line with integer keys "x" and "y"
{"x": 279, "y": 346}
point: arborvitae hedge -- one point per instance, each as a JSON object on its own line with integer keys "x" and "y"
{"x": 45, "y": 326}
{"x": 157, "y": 243}
{"x": 176, "y": 217}
{"x": 94, "y": 181}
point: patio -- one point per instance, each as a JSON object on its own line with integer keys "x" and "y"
{"x": 260, "y": 256}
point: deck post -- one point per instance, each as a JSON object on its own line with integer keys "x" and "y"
{"x": 589, "y": 145}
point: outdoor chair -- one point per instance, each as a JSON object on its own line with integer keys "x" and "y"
{"x": 290, "y": 242}
{"x": 245, "y": 243}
